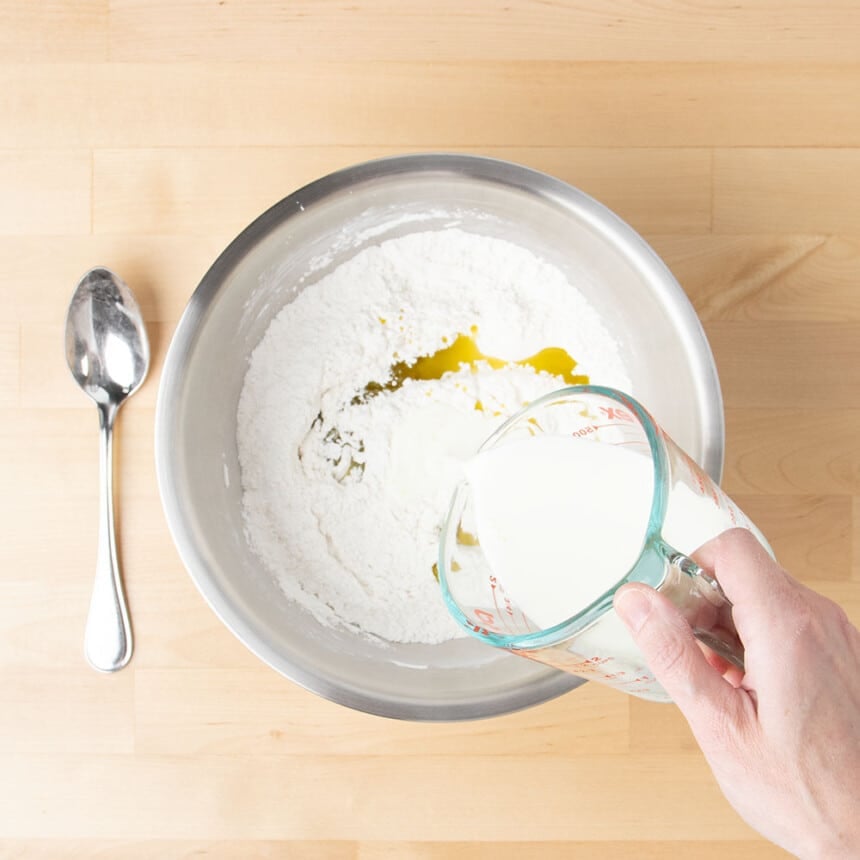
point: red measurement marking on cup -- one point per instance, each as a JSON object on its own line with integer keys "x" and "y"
{"x": 590, "y": 667}
{"x": 496, "y": 590}
{"x": 615, "y": 413}
{"x": 488, "y": 620}
{"x": 494, "y": 585}
{"x": 507, "y": 610}
{"x": 481, "y": 631}
{"x": 698, "y": 476}
{"x": 486, "y": 617}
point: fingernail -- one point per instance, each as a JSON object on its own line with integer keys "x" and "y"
{"x": 633, "y": 607}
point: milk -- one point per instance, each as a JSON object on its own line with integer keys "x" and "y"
{"x": 562, "y": 520}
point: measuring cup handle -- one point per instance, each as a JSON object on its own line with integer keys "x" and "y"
{"x": 702, "y": 601}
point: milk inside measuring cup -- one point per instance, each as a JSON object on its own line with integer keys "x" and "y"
{"x": 562, "y": 520}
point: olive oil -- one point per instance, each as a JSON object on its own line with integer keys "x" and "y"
{"x": 464, "y": 351}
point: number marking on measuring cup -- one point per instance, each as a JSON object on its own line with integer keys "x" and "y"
{"x": 489, "y": 621}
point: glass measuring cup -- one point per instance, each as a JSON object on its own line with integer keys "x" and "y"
{"x": 686, "y": 509}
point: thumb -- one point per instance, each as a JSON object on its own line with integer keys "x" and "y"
{"x": 671, "y": 651}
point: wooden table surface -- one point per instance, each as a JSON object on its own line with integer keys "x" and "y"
{"x": 143, "y": 135}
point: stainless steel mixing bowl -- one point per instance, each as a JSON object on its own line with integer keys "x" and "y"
{"x": 299, "y": 240}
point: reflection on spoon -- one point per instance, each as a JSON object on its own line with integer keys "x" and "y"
{"x": 108, "y": 354}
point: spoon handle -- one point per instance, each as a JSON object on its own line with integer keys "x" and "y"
{"x": 107, "y": 642}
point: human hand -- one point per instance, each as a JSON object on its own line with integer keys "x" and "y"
{"x": 783, "y": 737}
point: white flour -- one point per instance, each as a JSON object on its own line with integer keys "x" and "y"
{"x": 344, "y": 494}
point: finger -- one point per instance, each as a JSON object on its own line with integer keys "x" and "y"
{"x": 714, "y": 660}
{"x": 674, "y": 656}
{"x": 743, "y": 567}
{"x": 759, "y": 589}
{"x": 729, "y": 671}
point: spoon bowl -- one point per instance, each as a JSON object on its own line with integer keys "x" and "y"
{"x": 106, "y": 345}
{"x": 108, "y": 354}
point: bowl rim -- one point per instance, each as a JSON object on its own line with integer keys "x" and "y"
{"x": 474, "y": 167}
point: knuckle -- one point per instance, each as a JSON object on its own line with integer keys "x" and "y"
{"x": 815, "y": 617}
{"x": 803, "y": 619}
{"x": 735, "y": 543}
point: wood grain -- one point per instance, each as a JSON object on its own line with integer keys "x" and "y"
{"x": 769, "y": 363}
{"x": 40, "y": 272}
{"x": 433, "y": 105}
{"x": 46, "y": 192}
{"x": 154, "y": 30}
{"x": 303, "y": 797}
{"x": 187, "y": 190}
{"x": 781, "y": 277}
{"x": 59, "y": 31}
{"x": 98, "y": 716}
{"x": 259, "y": 849}
{"x": 143, "y": 135}
{"x": 811, "y": 535}
{"x": 9, "y": 357}
{"x": 786, "y": 190}
{"x": 792, "y": 450}
{"x": 272, "y": 720}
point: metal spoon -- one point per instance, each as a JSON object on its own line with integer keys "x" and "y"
{"x": 108, "y": 354}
